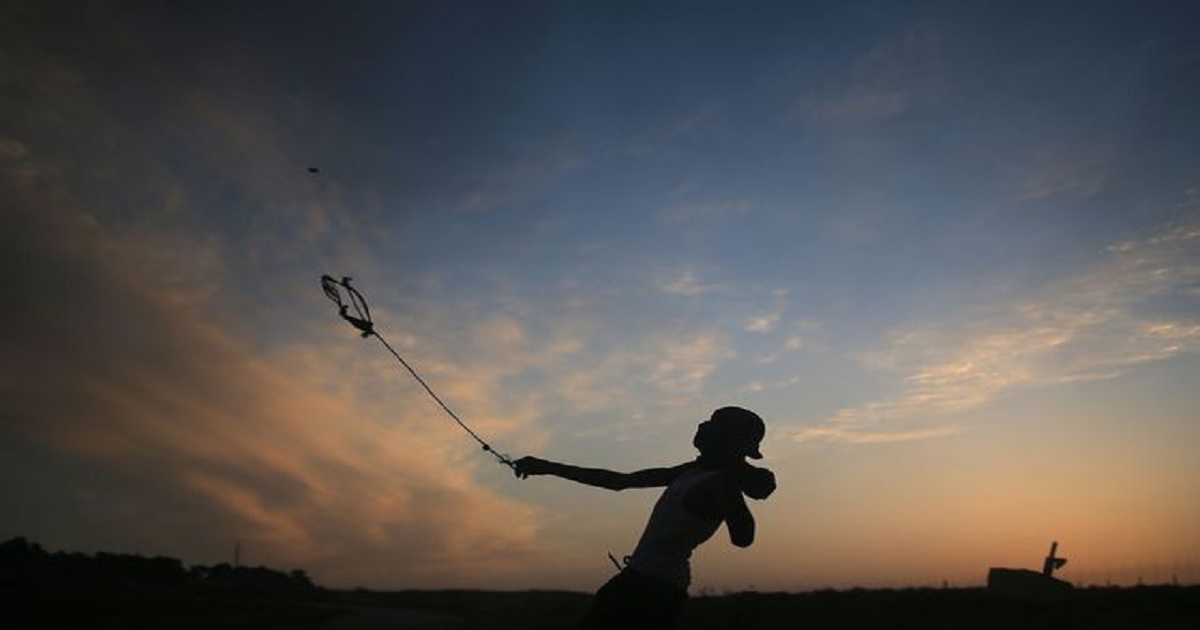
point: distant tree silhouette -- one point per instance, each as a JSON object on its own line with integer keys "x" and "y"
{"x": 26, "y": 563}
{"x": 20, "y": 553}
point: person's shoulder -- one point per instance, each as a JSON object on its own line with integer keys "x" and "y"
{"x": 655, "y": 477}
{"x": 679, "y": 470}
{"x": 721, "y": 480}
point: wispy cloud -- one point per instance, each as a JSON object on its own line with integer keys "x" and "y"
{"x": 792, "y": 344}
{"x": 286, "y": 452}
{"x": 767, "y": 319}
{"x": 686, "y": 212}
{"x": 762, "y": 386}
{"x": 886, "y": 81}
{"x": 11, "y": 149}
{"x": 517, "y": 180}
{"x": 763, "y": 323}
{"x": 686, "y": 282}
{"x": 683, "y": 366}
{"x": 1083, "y": 174}
{"x": 1095, "y": 325}
{"x": 848, "y": 436}
{"x": 690, "y": 123}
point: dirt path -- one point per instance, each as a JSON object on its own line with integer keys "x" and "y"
{"x": 368, "y": 618}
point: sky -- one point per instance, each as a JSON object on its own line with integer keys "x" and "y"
{"x": 949, "y": 251}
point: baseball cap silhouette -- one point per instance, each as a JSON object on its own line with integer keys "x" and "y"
{"x": 741, "y": 425}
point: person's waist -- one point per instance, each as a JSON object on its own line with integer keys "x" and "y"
{"x": 673, "y": 574}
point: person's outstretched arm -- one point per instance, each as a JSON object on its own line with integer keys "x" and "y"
{"x": 599, "y": 477}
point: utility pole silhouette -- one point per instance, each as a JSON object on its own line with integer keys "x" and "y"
{"x": 1028, "y": 584}
{"x": 1051, "y": 563}
{"x": 237, "y": 554}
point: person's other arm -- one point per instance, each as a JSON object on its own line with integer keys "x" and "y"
{"x": 720, "y": 498}
{"x": 738, "y": 519}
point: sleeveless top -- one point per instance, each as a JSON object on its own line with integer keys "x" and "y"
{"x": 665, "y": 549}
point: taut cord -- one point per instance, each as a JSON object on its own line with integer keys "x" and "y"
{"x": 361, "y": 320}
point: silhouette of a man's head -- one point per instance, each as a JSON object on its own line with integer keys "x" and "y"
{"x": 730, "y": 432}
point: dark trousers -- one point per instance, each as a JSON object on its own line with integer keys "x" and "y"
{"x": 631, "y": 601}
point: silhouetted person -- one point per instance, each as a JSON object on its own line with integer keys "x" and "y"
{"x": 650, "y": 591}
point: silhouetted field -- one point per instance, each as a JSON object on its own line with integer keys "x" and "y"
{"x": 1160, "y": 607}
{"x": 110, "y": 591}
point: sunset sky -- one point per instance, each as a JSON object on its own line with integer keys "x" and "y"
{"x": 950, "y": 252}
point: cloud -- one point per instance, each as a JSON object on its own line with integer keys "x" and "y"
{"x": 846, "y": 436}
{"x": 231, "y": 135}
{"x": 1077, "y": 173}
{"x": 685, "y": 282}
{"x": 287, "y": 451}
{"x": 647, "y": 143}
{"x": 764, "y": 323}
{"x": 706, "y": 211}
{"x": 1136, "y": 306}
{"x": 886, "y": 81}
{"x": 683, "y": 366}
{"x": 11, "y": 149}
{"x": 755, "y": 387}
{"x": 519, "y": 179}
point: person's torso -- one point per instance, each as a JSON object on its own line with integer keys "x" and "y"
{"x": 665, "y": 549}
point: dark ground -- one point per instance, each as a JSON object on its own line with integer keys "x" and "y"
{"x": 1151, "y": 608}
